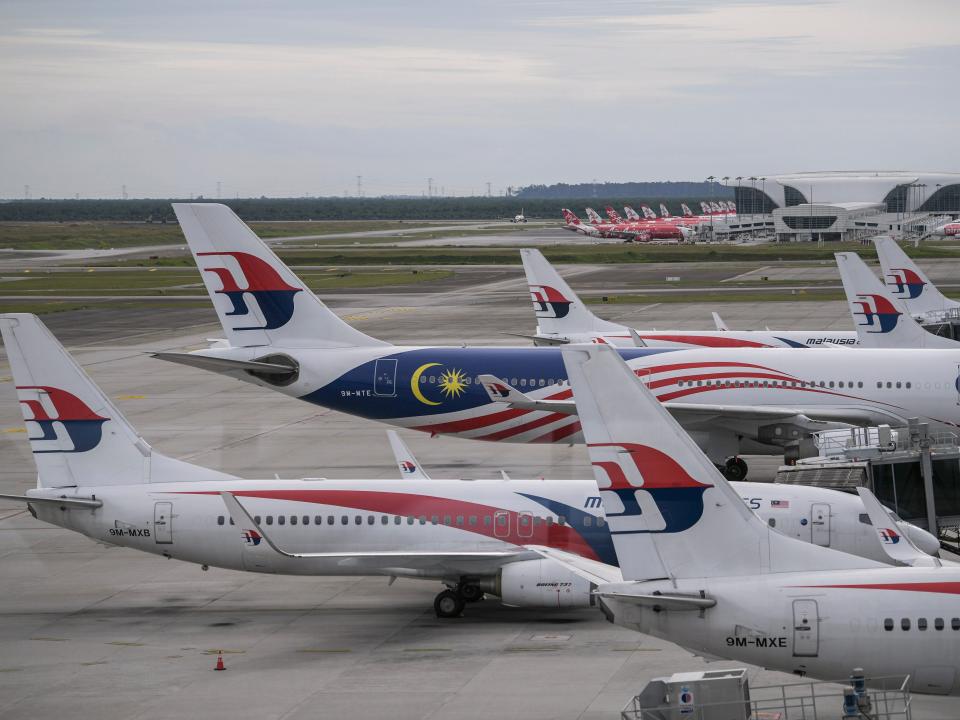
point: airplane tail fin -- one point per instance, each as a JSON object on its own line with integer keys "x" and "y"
{"x": 908, "y": 283}
{"x": 570, "y": 217}
{"x": 663, "y": 211}
{"x": 687, "y": 212}
{"x": 631, "y": 213}
{"x": 612, "y": 214}
{"x": 670, "y": 511}
{"x": 732, "y": 206}
{"x": 78, "y": 437}
{"x": 558, "y": 309}
{"x": 594, "y": 218}
{"x": 259, "y": 300}
{"x": 881, "y": 320}
{"x": 410, "y": 468}
{"x": 704, "y": 208}
{"x": 648, "y": 213}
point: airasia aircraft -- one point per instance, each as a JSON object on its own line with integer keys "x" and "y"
{"x": 279, "y": 335}
{"x": 99, "y": 477}
{"x": 654, "y": 229}
{"x": 700, "y": 570}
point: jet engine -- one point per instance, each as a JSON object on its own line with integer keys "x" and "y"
{"x": 539, "y": 583}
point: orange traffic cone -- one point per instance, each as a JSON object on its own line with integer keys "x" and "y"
{"x": 219, "y": 665}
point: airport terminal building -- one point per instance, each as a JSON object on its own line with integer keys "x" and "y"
{"x": 848, "y": 205}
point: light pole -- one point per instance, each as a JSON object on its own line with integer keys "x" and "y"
{"x": 711, "y": 180}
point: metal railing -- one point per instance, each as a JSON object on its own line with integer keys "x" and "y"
{"x": 886, "y": 698}
{"x": 844, "y": 443}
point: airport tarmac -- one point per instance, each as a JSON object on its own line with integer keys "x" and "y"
{"x": 88, "y": 631}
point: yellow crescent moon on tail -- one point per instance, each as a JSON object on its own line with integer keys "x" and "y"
{"x": 415, "y": 384}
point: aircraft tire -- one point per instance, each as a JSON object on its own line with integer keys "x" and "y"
{"x": 448, "y": 604}
{"x": 470, "y": 593}
{"x": 735, "y": 469}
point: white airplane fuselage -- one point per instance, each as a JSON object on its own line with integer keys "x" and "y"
{"x": 889, "y": 621}
{"x": 435, "y": 389}
{"x": 717, "y": 339}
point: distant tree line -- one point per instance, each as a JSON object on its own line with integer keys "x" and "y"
{"x": 447, "y": 208}
{"x": 654, "y": 190}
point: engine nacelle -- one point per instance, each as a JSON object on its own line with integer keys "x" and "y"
{"x": 541, "y": 583}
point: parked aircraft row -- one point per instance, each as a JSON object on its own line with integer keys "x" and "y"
{"x": 659, "y": 540}
{"x": 648, "y": 227}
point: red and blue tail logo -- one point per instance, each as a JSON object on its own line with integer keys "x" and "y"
{"x": 273, "y": 295}
{"x": 83, "y": 427}
{"x": 408, "y": 467}
{"x": 548, "y": 302}
{"x": 878, "y": 313}
{"x": 905, "y": 283}
{"x": 644, "y": 482}
{"x": 251, "y": 537}
{"x": 888, "y": 536}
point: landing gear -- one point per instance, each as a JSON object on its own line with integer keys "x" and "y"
{"x": 470, "y": 593}
{"x": 735, "y": 469}
{"x": 448, "y": 604}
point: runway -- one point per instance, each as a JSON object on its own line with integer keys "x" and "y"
{"x": 88, "y": 631}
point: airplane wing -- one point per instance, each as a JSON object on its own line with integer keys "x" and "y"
{"x": 596, "y": 572}
{"x": 406, "y": 460}
{"x": 399, "y": 562}
{"x": 90, "y": 503}
{"x": 814, "y": 417}
{"x": 896, "y": 545}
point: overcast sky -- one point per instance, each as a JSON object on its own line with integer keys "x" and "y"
{"x": 293, "y": 98}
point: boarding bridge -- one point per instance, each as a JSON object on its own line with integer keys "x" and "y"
{"x": 945, "y": 324}
{"x": 912, "y": 471}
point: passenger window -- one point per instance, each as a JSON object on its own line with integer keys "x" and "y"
{"x": 601, "y": 522}
{"x": 898, "y": 384}
{"x": 587, "y": 521}
{"x": 344, "y": 520}
{"x": 306, "y": 519}
{"x": 269, "y": 519}
{"x": 220, "y": 520}
{"x": 486, "y": 520}
{"x": 908, "y": 386}
{"x": 357, "y": 520}
{"x": 331, "y": 520}
{"x": 501, "y": 520}
{"x": 905, "y": 623}
{"x": 384, "y": 520}
{"x": 888, "y": 624}
{"x": 889, "y": 384}
{"x": 523, "y": 382}
{"x": 318, "y": 519}
{"x": 831, "y": 383}
{"x": 257, "y": 519}
{"x": 772, "y": 522}
{"x": 473, "y": 519}
{"x": 371, "y": 519}
{"x": 281, "y": 519}
{"x": 955, "y": 623}
{"x": 860, "y": 383}
{"x": 459, "y": 520}
{"x": 434, "y": 519}
{"x": 561, "y": 520}
{"x": 293, "y": 519}
{"x": 447, "y": 520}
{"x": 938, "y": 623}
{"x": 864, "y": 518}
{"x": 524, "y": 520}
{"x": 410, "y": 520}
{"x": 921, "y": 623}
{"x": 549, "y": 520}
{"x": 840, "y": 383}
{"x": 879, "y": 385}
{"x": 396, "y": 520}
{"x": 423, "y": 519}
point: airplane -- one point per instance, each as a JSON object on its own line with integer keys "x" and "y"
{"x": 572, "y": 222}
{"x": 653, "y": 228}
{"x": 698, "y": 569}
{"x": 631, "y": 213}
{"x": 98, "y": 476}
{"x": 519, "y": 218}
{"x": 594, "y": 218}
{"x": 882, "y": 321}
{"x": 279, "y": 335}
{"x": 909, "y": 284}
{"x": 613, "y": 215}
{"x": 577, "y": 324}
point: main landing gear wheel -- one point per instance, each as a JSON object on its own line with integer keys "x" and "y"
{"x": 448, "y": 604}
{"x": 735, "y": 469}
{"x": 470, "y": 593}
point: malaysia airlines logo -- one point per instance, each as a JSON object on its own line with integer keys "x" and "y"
{"x": 408, "y": 467}
{"x": 877, "y": 312}
{"x": 548, "y": 302}
{"x": 54, "y": 411}
{"x": 888, "y": 536}
{"x": 905, "y": 283}
{"x": 251, "y": 537}
{"x": 643, "y": 483}
{"x": 498, "y": 389}
{"x": 273, "y": 296}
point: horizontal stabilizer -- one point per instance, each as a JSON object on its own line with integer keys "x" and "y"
{"x": 217, "y": 364}
{"x": 90, "y": 503}
{"x": 658, "y": 601}
{"x": 539, "y": 340}
{"x": 592, "y": 571}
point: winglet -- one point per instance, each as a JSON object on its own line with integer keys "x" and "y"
{"x": 406, "y": 460}
{"x": 896, "y": 545}
{"x": 719, "y": 323}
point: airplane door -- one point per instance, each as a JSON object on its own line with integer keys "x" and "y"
{"x": 525, "y": 524}
{"x": 163, "y": 522}
{"x": 501, "y": 524}
{"x": 385, "y": 377}
{"x": 820, "y": 524}
{"x": 806, "y": 628}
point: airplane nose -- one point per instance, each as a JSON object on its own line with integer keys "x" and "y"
{"x": 920, "y": 537}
